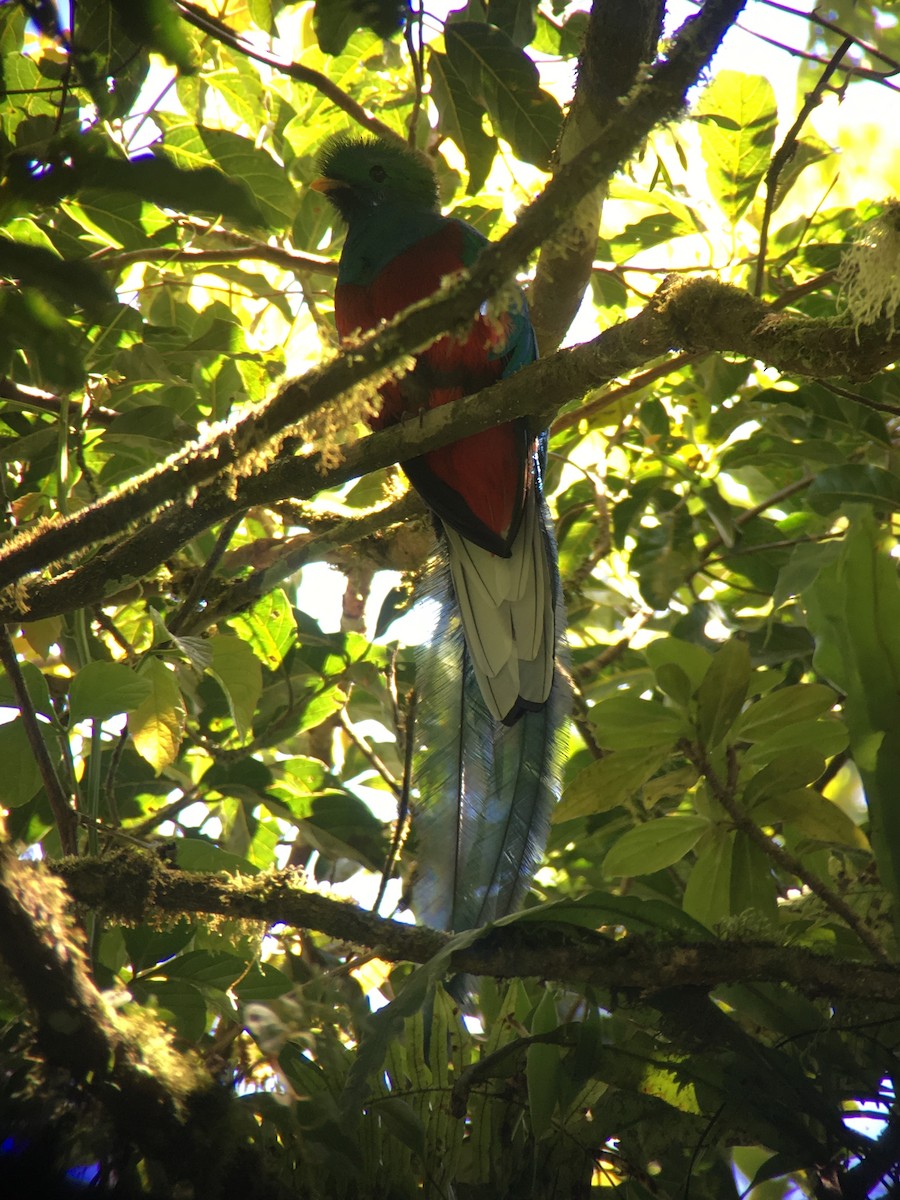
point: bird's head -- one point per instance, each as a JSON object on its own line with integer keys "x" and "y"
{"x": 359, "y": 174}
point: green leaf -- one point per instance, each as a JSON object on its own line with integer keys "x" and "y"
{"x": 790, "y": 769}
{"x": 157, "y": 724}
{"x": 653, "y": 230}
{"x": 186, "y": 186}
{"x": 629, "y": 723}
{"x": 664, "y": 555}
{"x": 336, "y": 20}
{"x": 723, "y": 691}
{"x": 253, "y": 187}
{"x": 752, "y": 882}
{"x": 340, "y": 825}
{"x": 195, "y": 854}
{"x": 786, "y": 706}
{"x": 156, "y": 23}
{"x": 404, "y": 1123}
{"x": 209, "y": 968}
{"x": 102, "y": 689}
{"x": 693, "y": 660}
{"x": 738, "y": 117}
{"x": 607, "y": 782}
{"x": 35, "y": 685}
{"x": 112, "y": 217}
{"x": 268, "y": 628}
{"x": 542, "y": 1067}
{"x": 238, "y": 671}
{"x": 803, "y": 566}
{"x": 505, "y": 81}
{"x": 20, "y": 777}
{"x": 262, "y": 982}
{"x": 178, "y": 1002}
{"x": 828, "y": 737}
{"x": 658, "y": 844}
{"x": 813, "y": 814}
{"x": 462, "y": 119}
{"x": 707, "y": 896}
{"x": 853, "y": 483}
{"x": 321, "y": 706}
{"x": 102, "y": 42}
{"x": 387, "y": 1023}
{"x": 596, "y": 909}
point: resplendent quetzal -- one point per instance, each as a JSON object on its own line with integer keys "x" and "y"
{"x": 490, "y": 709}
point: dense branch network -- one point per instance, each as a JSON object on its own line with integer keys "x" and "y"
{"x": 662, "y": 95}
{"x": 700, "y": 316}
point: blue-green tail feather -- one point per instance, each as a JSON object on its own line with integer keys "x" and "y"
{"x": 484, "y": 791}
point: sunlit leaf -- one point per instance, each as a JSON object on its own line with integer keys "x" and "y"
{"x": 738, "y": 116}
{"x": 157, "y": 724}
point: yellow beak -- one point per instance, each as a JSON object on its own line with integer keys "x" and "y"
{"x": 324, "y": 184}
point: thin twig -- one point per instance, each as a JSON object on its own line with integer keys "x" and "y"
{"x": 865, "y": 401}
{"x": 46, "y": 402}
{"x": 817, "y": 19}
{"x": 757, "y": 510}
{"x": 106, "y": 623}
{"x": 416, "y": 56}
{"x": 63, "y": 812}
{"x": 203, "y": 576}
{"x": 402, "y": 825}
{"x": 290, "y": 260}
{"x": 761, "y": 547}
{"x": 586, "y": 411}
{"x": 371, "y": 756}
{"x": 785, "y": 152}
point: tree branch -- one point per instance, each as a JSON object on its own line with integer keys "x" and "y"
{"x": 144, "y": 1088}
{"x": 619, "y": 39}
{"x": 130, "y": 886}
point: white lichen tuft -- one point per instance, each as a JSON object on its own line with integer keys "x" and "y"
{"x": 869, "y": 273}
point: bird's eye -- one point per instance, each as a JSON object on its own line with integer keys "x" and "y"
{"x": 378, "y": 173}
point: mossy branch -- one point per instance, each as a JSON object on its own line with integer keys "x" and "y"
{"x": 131, "y": 886}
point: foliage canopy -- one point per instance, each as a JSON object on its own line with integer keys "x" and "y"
{"x": 704, "y": 985}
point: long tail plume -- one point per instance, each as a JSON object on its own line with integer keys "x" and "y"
{"x": 485, "y": 790}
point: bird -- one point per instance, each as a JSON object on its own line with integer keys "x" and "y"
{"x": 491, "y": 701}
